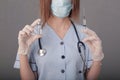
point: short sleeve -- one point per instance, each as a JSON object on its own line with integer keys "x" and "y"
{"x": 89, "y": 60}
{"x": 31, "y": 58}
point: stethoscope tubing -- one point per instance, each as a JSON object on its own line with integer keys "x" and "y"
{"x": 79, "y": 45}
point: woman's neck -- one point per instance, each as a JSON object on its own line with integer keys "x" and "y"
{"x": 58, "y": 23}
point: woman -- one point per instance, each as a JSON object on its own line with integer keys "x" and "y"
{"x": 62, "y": 60}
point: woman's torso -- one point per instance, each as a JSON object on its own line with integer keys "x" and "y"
{"x": 62, "y": 61}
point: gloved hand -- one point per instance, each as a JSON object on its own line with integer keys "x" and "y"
{"x": 94, "y": 43}
{"x": 25, "y": 38}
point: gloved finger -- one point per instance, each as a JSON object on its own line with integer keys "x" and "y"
{"x": 22, "y": 34}
{"x": 30, "y": 28}
{"x": 25, "y": 29}
{"x": 35, "y": 37}
{"x": 89, "y": 32}
{"x": 90, "y": 44}
{"x": 92, "y": 38}
{"x": 35, "y": 23}
{"x": 92, "y": 41}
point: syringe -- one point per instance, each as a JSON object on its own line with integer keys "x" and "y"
{"x": 39, "y": 27}
{"x": 84, "y": 18}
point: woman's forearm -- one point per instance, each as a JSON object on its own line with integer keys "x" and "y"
{"x": 25, "y": 70}
{"x": 94, "y": 71}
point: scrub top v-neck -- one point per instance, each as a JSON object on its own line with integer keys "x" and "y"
{"x": 62, "y": 60}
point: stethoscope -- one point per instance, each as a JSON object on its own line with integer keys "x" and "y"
{"x": 42, "y": 52}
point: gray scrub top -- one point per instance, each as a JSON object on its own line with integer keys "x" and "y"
{"x": 62, "y": 61}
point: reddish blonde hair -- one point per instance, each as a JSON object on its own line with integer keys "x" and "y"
{"x": 45, "y": 10}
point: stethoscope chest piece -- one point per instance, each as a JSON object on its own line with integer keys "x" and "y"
{"x": 42, "y": 52}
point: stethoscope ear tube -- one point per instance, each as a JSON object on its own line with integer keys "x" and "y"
{"x": 42, "y": 52}
{"x": 79, "y": 45}
{"x": 39, "y": 41}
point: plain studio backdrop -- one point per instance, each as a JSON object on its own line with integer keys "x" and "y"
{"x": 103, "y": 16}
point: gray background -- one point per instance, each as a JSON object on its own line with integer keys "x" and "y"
{"x": 103, "y": 16}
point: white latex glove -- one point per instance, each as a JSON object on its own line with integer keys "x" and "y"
{"x": 94, "y": 43}
{"x": 25, "y": 38}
